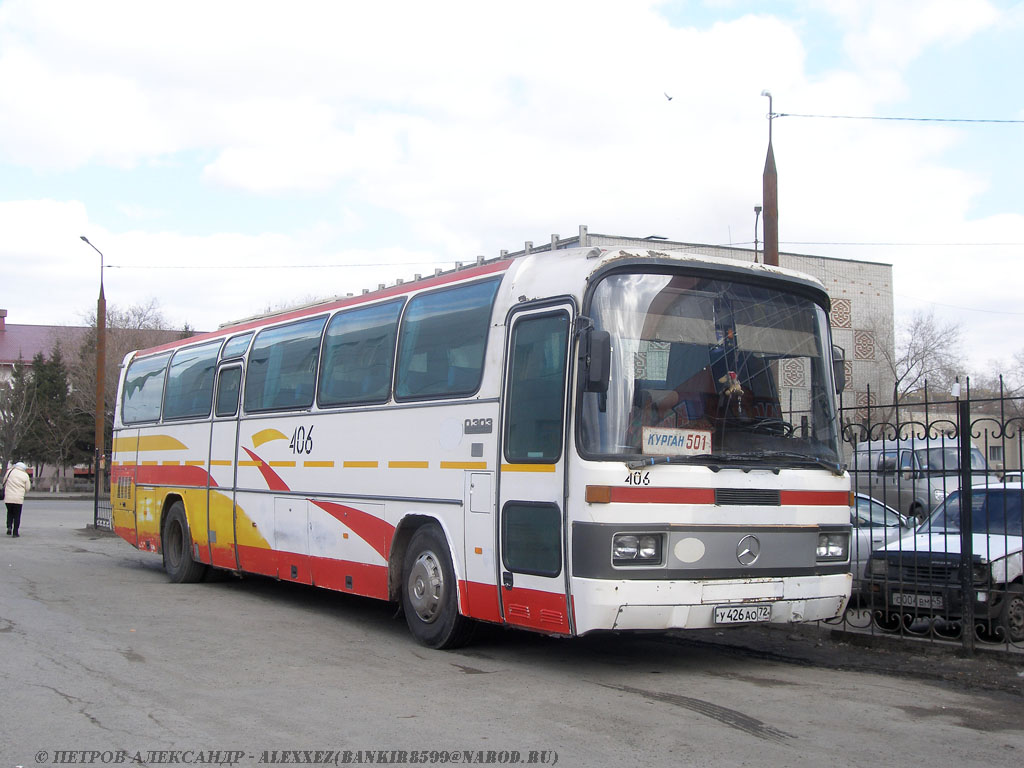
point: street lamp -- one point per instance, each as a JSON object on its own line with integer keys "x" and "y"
{"x": 101, "y": 364}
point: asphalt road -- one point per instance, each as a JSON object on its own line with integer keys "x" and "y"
{"x": 105, "y": 663}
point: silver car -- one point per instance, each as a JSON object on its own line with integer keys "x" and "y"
{"x": 874, "y": 524}
{"x": 914, "y": 475}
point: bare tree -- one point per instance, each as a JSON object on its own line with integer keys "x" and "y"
{"x": 926, "y": 350}
{"x": 138, "y": 326}
{"x": 17, "y": 405}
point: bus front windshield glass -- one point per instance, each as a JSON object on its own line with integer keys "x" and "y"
{"x": 706, "y": 369}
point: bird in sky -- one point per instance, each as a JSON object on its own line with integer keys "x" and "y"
{"x": 668, "y": 97}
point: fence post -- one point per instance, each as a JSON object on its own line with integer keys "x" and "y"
{"x": 966, "y": 526}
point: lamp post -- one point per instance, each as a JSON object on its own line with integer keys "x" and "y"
{"x": 770, "y": 196}
{"x": 757, "y": 215}
{"x": 101, "y": 360}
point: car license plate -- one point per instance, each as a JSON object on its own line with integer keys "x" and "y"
{"x": 908, "y": 600}
{"x": 742, "y": 614}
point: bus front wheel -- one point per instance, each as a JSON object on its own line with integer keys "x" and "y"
{"x": 429, "y": 593}
{"x": 177, "y": 548}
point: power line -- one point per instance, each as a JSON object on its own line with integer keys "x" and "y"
{"x": 957, "y": 306}
{"x": 901, "y": 119}
{"x": 924, "y": 245}
{"x": 283, "y": 266}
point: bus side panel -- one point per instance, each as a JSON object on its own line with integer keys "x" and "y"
{"x": 172, "y": 462}
{"x": 122, "y": 484}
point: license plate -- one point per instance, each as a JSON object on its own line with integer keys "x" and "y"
{"x": 742, "y": 614}
{"x": 908, "y": 600}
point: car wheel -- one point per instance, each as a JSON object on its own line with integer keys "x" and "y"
{"x": 1011, "y": 620}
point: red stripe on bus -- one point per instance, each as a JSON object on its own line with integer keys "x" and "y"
{"x": 370, "y": 528}
{"x": 274, "y": 481}
{"x": 624, "y": 494}
{"x": 531, "y": 608}
{"x": 815, "y": 498}
{"x": 663, "y": 495}
{"x": 365, "y": 579}
{"x": 479, "y": 601}
{"x": 169, "y": 474}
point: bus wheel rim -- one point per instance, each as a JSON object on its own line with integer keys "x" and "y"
{"x": 426, "y": 587}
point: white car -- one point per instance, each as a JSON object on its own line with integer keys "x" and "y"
{"x": 919, "y": 575}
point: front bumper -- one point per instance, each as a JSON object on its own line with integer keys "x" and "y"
{"x": 635, "y": 605}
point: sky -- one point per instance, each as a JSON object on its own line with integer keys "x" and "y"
{"x": 233, "y": 157}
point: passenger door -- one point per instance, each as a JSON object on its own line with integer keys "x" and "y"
{"x": 531, "y": 515}
{"x": 220, "y": 503}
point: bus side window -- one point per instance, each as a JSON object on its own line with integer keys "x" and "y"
{"x": 189, "y": 392}
{"x": 442, "y": 342}
{"x": 359, "y": 348}
{"x": 144, "y": 389}
{"x": 282, "y": 367}
{"x": 228, "y": 386}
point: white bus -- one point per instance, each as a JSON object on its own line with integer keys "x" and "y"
{"x": 568, "y": 441}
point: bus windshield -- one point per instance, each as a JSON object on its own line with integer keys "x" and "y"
{"x": 707, "y": 369}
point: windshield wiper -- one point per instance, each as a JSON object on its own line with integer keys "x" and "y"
{"x": 727, "y": 458}
{"x": 834, "y": 467}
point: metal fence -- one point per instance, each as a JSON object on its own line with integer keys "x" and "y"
{"x": 103, "y": 517}
{"x": 937, "y": 520}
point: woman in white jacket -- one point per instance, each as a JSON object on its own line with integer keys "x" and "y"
{"x": 16, "y": 485}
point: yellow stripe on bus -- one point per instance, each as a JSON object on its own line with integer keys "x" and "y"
{"x": 221, "y": 462}
{"x": 408, "y": 465}
{"x": 195, "y": 463}
{"x": 266, "y": 435}
{"x": 463, "y": 465}
{"x": 320, "y": 464}
{"x": 527, "y": 467}
{"x": 282, "y": 463}
{"x": 148, "y": 443}
{"x": 361, "y": 464}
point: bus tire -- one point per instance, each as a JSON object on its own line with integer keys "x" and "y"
{"x": 429, "y": 592}
{"x": 177, "y": 548}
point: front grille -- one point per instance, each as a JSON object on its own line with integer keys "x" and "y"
{"x": 922, "y": 569}
{"x": 759, "y": 497}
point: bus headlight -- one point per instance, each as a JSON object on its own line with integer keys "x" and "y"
{"x": 833, "y": 547}
{"x": 636, "y": 548}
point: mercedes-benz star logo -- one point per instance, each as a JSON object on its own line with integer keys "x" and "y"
{"x": 748, "y": 550}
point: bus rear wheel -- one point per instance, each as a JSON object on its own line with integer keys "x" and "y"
{"x": 177, "y": 548}
{"x": 429, "y": 593}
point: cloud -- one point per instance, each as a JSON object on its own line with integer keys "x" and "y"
{"x": 432, "y": 132}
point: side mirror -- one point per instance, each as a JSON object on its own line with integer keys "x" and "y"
{"x": 839, "y": 368}
{"x": 596, "y": 356}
